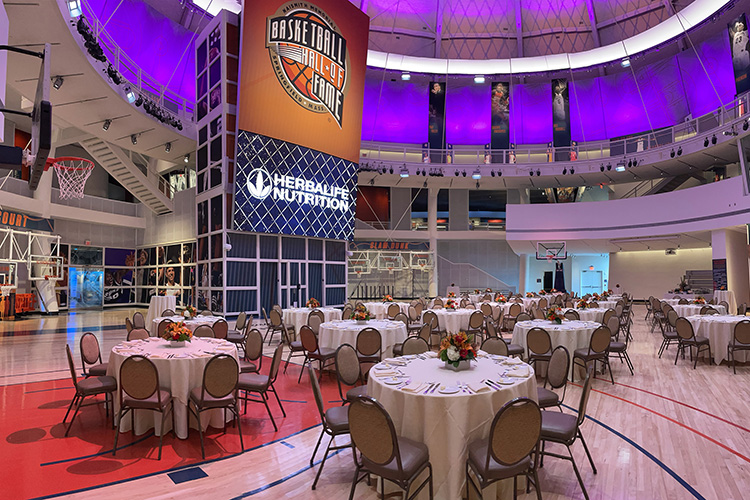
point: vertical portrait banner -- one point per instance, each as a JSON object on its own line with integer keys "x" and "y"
{"x": 738, "y": 40}
{"x": 500, "y": 119}
{"x": 436, "y": 124}
{"x": 560, "y": 118}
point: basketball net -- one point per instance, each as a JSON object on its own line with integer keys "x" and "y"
{"x": 72, "y": 174}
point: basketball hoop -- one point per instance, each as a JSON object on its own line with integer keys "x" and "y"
{"x": 6, "y": 289}
{"x": 72, "y": 174}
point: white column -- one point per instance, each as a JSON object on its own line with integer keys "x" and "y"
{"x": 737, "y": 266}
{"x": 432, "y": 195}
{"x": 523, "y": 263}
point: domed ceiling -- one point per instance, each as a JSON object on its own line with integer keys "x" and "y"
{"x": 499, "y": 29}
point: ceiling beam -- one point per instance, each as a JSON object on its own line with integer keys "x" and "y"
{"x": 592, "y": 23}
{"x": 439, "y": 26}
{"x": 519, "y": 28}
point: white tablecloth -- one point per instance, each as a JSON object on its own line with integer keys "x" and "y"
{"x": 190, "y": 323}
{"x": 719, "y": 330}
{"x": 453, "y": 321}
{"x": 178, "y": 374}
{"x": 297, "y": 317}
{"x": 591, "y": 314}
{"x": 159, "y": 304}
{"x": 380, "y": 309}
{"x": 448, "y": 423}
{"x": 477, "y": 298}
{"x": 606, "y": 304}
{"x": 693, "y": 309}
{"x": 672, "y": 302}
{"x": 728, "y": 296}
{"x": 335, "y": 333}
{"x": 571, "y": 334}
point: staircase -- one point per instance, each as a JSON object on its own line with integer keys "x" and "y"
{"x": 670, "y": 184}
{"x": 120, "y": 166}
{"x": 468, "y": 276}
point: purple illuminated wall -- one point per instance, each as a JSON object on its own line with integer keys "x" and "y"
{"x": 397, "y": 114}
{"x": 465, "y": 127}
{"x": 154, "y": 42}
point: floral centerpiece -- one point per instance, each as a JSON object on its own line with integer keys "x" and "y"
{"x": 595, "y": 296}
{"x": 529, "y": 295}
{"x": 500, "y": 298}
{"x": 699, "y": 300}
{"x": 554, "y": 314}
{"x": 189, "y": 312}
{"x": 476, "y": 290}
{"x": 387, "y": 298}
{"x": 456, "y": 351}
{"x": 554, "y": 290}
{"x": 451, "y": 295}
{"x": 178, "y": 334}
{"x": 361, "y": 313}
{"x": 582, "y": 304}
{"x": 312, "y": 303}
{"x": 451, "y": 304}
{"x": 542, "y": 292}
{"x": 488, "y": 290}
{"x": 605, "y": 295}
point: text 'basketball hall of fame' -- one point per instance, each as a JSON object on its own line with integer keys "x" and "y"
{"x": 309, "y": 57}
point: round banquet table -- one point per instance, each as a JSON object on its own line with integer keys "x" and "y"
{"x": 178, "y": 374}
{"x": 335, "y": 333}
{"x": 380, "y": 309}
{"x": 606, "y": 304}
{"x": 571, "y": 334}
{"x": 719, "y": 330}
{"x": 447, "y": 423}
{"x": 728, "y": 296}
{"x": 672, "y": 302}
{"x": 453, "y": 321}
{"x": 158, "y": 304}
{"x": 595, "y": 314}
{"x": 297, "y": 316}
{"x": 693, "y": 309}
{"x": 190, "y": 323}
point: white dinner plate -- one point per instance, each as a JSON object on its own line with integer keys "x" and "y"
{"x": 382, "y": 366}
{"x": 507, "y": 380}
{"x": 392, "y": 380}
{"x": 449, "y": 390}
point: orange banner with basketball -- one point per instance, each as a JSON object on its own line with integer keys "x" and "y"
{"x": 302, "y": 73}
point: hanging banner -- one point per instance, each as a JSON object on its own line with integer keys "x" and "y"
{"x": 560, "y": 117}
{"x": 738, "y": 39}
{"x": 11, "y": 218}
{"x": 436, "y": 131}
{"x": 500, "y": 119}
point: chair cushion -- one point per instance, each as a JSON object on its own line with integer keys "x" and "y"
{"x": 515, "y": 349}
{"x": 584, "y": 353}
{"x": 546, "y": 397}
{"x": 152, "y": 402}
{"x": 97, "y": 370}
{"x": 323, "y": 353}
{"x": 478, "y": 457}
{"x": 413, "y": 456}
{"x": 209, "y": 401}
{"x": 356, "y": 392}
{"x": 296, "y": 346}
{"x": 559, "y": 427}
{"x": 254, "y": 382}
{"x": 375, "y": 358}
{"x": 697, "y": 340}
{"x": 617, "y": 347}
{"x": 236, "y": 337}
{"x": 97, "y": 385}
{"x": 337, "y": 418}
{"x": 738, "y": 345}
{"x": 247, "y": 366}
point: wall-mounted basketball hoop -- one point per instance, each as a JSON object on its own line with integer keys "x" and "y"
{"x": 72, "y": 174}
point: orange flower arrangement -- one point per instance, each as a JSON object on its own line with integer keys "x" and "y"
{"x": 500, "y": 298}
{"x": 387, "y": 298}
{"x": 451, "y": 295}
{"x": 361, "y": 313}
{"x": 189, "y": 312}
{"x": 313, "y": 303}
{"x": 457, "y": 348}
{"x": 554, "y": 314}
{"x": 178, "y": 332}
{"x": 582, "y": 304}
{"x": 542, "y": 292}
{"x": 529, "y": 295}
{"x": 451, "y": 304}
{"x": 699, "y": 300}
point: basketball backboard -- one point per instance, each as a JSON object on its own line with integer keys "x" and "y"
{"x": 551, "y": 250}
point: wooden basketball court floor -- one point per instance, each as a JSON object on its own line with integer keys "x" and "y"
{"x": 668, "y": 432}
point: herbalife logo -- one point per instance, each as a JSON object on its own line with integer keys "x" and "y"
{"x": 259, "y": 183}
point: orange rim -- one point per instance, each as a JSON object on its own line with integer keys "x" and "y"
{"x": 51, "y": 161}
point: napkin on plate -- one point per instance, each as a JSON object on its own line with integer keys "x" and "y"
{"x": 512, "y": 361}
{"x": 389, "y": 373}
{"x": 413, "y": 387}
{"x": 478, "y": 387}
{"x": 430, "y": 354}
{"x": 521, "y": 372}
{"x": 158, "y": 355}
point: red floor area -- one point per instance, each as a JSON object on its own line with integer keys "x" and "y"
{"x": 37, "y": 460}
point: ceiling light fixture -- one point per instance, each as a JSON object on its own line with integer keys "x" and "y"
{"x": 405, "y": 76}
{"x": 679, "y": 151}
{"x": 463, "y": 173}
{"x": 134, "y": 139}
{"x": 565, "y": 171}
{"x": 671, "y": 153}
{"x": 479, "y": 79}
{"x": 186, "y": 158}
{"x": 58, "y": 82}
{"x": 713, "y": 139}
{"x": 705, "y": 143}
{"x": 609, "y": 166}
{"x": 130, "y": 95}
{"x": 572, "y": 171}
{"x": 106, "y": 124}
{"x": 168, "y": 147}
{"x": 404, "y": 173}
{"x": 476, "y": 175}
{"x": 625, "y": 63}
{"x": 74, "y": 8}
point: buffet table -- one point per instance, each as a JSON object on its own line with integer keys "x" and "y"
{"x": 180, "y": 370}
{"x": 447, "y": 410}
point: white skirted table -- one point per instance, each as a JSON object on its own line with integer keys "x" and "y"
{"x": 595, "y": 314}
{"x": 380, "y": 309}
{"x": 719, "y": 330}
{"x": 158, "y": 304}
{"x": 453, "y": 321}
{"x": 180, "y": 370}
{"x": 460, "y": 409}
{"x": 693, "y": 309}
{"x": 728, "y": 296}
{"x": 190, "y": 323}
{"x": 335, "y": 333}
{"x": 570, "y": 333}
{"x": 606, "y": 304}
{"x": 297, "y": 316}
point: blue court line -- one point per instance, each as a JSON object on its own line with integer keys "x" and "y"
{"x": 648, "y": 454}
{"x": 198, "y": 464}
{"x": 288, "y": 445}
{"x": 98, "y": 454}
{"x": 293, "y": 401}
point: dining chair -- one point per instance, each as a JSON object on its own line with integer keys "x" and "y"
{"x": 402, "y": 318}
{"x": 557, "y": 378}
{"x": 128, "y": 325}
{"x": 438, "y": 304}
{"x": 430, "y": 318}
{"x": 688, "y": 340}
{"x": 218, "y": 390}
{"x": 608, "y": 314}
{"x": 621, "y": 348}
{"x": 252, "y": 357}
{"x": 415, "y": 345}
{"x": 510, "y": 450}
{"x": 335, "y": 422}
{"x": 262, "y": 385}
{"x": 539, "y": 345}
{"x": 486, "y": 309}
{"x": 296, "y": 349}
{"x": 393, "y": 310}
{"x": 349, "y": 372}
{"x": 206, "y": 312}
{"x": 140, "y": 390}
{"x": 510, "y": 317}
{"x": 162, "y": 328}
{"x": 167, "y": 313}
{"x": 315, "y": 319}
{"x": 276, "y": 325}
{"x": 369, "y": 345}
{"x": 91, "y": 386}
{"x": 347, "y": 312}
{"x": 220, "y": 328}
{"x": 237, "y": 334}
{"x": 523, "y": 317}
{"x": 742, "y": 309}
{"x": 495, "y": 345}
{"x": 138, "y": 321}
{"x": 382, "y": 452}
{"x": 91, "y": 355}
{"x": 572, "y": 315}
{"x": 138, "y": 334}
{"x": 597, "y": 351}
{"x": 313, "y": 351}
{"x": 669, "y": 334}
{"x": 740, "y": 341}
{"x": 564, "y": 428}
{"x": 476, "y": 324}
{"x": 204, "y": 331}
{"x": 542, "y": 304}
